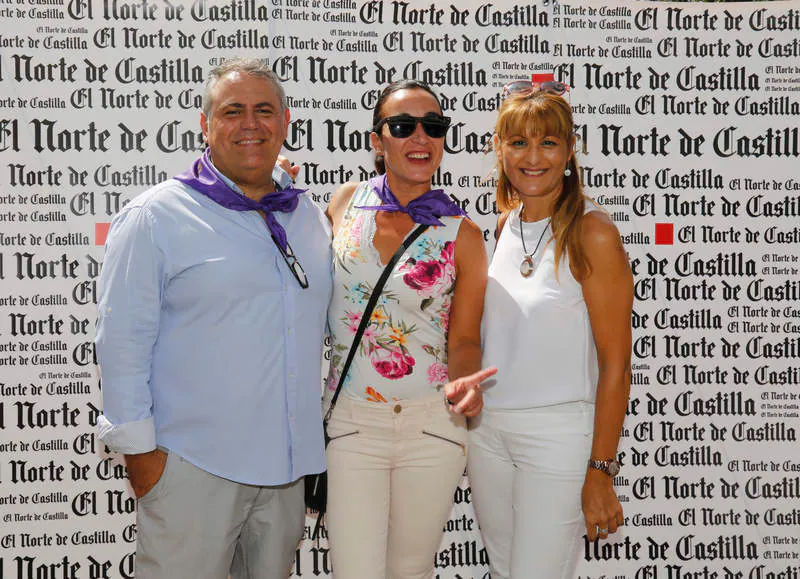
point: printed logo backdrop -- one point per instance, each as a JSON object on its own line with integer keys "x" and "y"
{"x": 688, "y": 123}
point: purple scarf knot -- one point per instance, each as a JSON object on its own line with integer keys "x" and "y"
{"x": 425, "y": 209}
{"x": 204, "y": 178}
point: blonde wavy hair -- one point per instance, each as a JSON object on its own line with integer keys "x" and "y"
{"x": 532, "y": 115}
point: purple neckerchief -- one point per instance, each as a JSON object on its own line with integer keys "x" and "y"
{"x": 426, "y": 208}
{"x": 204, "y": 178}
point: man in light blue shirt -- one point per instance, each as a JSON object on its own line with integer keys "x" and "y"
{"x": 213, "y": 298}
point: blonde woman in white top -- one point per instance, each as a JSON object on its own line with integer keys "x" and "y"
{"x": 557, "y": 325}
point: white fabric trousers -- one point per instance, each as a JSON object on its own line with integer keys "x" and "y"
{"x": 392, "y": 472}
{"x": 526, "y": 469}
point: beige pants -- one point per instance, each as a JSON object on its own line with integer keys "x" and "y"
{"x": 392, "y": 472}
{"x": 194, "y": 524}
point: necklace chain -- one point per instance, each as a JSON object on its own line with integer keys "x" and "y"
{"x": 522, "y": 235}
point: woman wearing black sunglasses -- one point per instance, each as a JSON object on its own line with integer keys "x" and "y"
{"x": 398, "y": 433}
{"x": 557, "y": 324}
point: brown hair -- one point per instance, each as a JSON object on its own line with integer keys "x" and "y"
{"x": 536, "y": 114}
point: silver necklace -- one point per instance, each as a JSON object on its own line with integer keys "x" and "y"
{"x": 526, "y": 267}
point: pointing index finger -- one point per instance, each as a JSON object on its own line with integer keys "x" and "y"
{"x": 482, "y": 375}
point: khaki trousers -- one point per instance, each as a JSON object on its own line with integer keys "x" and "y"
{"x": 194, "y": 525}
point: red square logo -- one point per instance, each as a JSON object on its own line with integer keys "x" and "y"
{"x": 665, "y": 233}
{"x": 100, "y": 233}
{"x": 544, "y": 77}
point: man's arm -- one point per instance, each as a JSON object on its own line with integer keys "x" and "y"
{"x": 129, "y": 308}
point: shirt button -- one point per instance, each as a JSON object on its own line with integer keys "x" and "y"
{"x": 398, "y": 409}
{"x": 291, "y": 376}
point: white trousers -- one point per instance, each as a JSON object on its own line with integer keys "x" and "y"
{"x": 526, "y": 469}
{"x": 392, "y": 472}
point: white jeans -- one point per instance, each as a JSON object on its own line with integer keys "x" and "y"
{"x": 527, "y": 468}
{"x": 392, "y": 472}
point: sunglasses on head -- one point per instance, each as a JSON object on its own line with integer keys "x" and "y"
{"x": 529, "y": 86}
{"x": 403, "y": 126}
{"x": 526, "y": 87}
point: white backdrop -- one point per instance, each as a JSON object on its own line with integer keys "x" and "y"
{"x": 688, "y": 118}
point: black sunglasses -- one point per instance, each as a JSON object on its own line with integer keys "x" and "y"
{"x": 403, "y": 126}
{"x": 529, "y": 86}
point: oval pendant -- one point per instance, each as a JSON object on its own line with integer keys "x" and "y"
{"x": 526, "y": 267}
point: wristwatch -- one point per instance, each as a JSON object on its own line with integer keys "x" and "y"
{"x": 609, "y": 466}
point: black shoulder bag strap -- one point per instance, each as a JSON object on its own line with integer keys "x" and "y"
{"x": 373, "y": 299}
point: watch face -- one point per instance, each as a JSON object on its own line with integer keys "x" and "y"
{"x": 613, "y": 467}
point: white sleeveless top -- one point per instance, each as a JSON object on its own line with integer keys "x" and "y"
{"x": 403, "y": 353}
{"x": 536, "y": 330}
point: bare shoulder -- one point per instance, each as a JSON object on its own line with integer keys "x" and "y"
{"x": 469, "y": 233}
{"x": 599, "y": 230}
{"x": 470, "y": 246}
{"x": 338, "y": 203}
{"x": 601, "y": 240}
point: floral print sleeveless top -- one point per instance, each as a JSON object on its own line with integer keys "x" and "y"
{"x": 403, "y": 352}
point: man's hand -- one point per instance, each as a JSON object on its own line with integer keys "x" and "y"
{"x": 145, "y": 470}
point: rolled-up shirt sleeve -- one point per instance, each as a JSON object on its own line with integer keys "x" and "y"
{"x": 129, "y": 306}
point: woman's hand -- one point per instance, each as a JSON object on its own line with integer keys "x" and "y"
{"x": 601, "y": 508}
{"x": 464, "y": 394}
{"x": 608, "y": 291}
{"x": 290, "y": 168}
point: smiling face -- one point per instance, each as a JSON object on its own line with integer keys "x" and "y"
{"x": 534, "y": 164}
{"x": 534, "y": 140}
{"x": 245, "y": 130}
{"x": 410, "y": 162}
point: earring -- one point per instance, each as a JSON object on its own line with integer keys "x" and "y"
{"x": 567, "y": 172}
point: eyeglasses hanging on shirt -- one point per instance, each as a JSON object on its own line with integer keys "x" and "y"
{"x": 204, "y": 178}
{"x": 291, "y": 261}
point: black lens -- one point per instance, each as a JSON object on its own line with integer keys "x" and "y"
{"x": 435, "y": 128}
{"x": 401, "y": 127}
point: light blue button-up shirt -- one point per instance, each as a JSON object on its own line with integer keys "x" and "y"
{"x": 207, "y": 344}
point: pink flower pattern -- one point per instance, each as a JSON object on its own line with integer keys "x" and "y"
{"x": 432, "y": 277}
{"x": 394, "y": 364}
{"x": 437, "y": 373}
{"x": 399, "y": 337}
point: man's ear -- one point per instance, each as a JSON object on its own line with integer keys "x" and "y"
{"x": 286, "y": 116}
{"x": 204, "y": 126}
